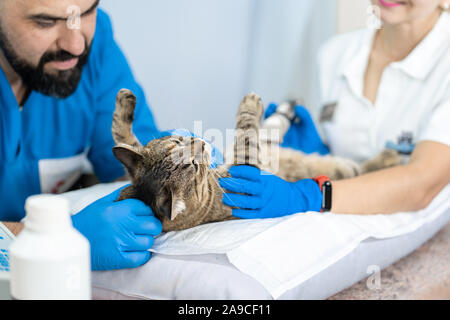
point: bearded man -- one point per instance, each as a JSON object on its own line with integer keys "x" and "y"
{"x": 60, "y": 70}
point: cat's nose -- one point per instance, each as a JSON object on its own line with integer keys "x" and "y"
{"x": 196, "y": 142}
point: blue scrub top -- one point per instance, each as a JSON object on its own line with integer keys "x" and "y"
{"x": 51, "y": 128}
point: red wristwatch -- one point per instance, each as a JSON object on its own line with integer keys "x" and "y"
{"x": 325, "y": 186}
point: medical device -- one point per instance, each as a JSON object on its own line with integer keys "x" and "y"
{"x": 277, "y": 125}
{"x": 6, "y": 238}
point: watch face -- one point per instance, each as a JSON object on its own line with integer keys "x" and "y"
{"x": 327, "y": 196}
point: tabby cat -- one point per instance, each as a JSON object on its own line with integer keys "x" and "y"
{"x": 172, "y": 174}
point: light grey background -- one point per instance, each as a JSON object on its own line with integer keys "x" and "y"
{"x": 196, "y": 59}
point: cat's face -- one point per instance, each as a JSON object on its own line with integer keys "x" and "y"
{"x": 169, "y": 174}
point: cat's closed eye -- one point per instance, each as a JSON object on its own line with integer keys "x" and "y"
{"x": 177, "y": 141}
{"x": 195, "y": 165}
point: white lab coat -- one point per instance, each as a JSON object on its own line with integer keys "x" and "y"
{"x": 413, "y": 97}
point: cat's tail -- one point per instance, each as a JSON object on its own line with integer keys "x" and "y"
{"x": 246, "y": 144}
{"x": 123, "y": 119}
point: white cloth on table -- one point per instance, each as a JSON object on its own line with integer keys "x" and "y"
{"x": 284, "y": 252}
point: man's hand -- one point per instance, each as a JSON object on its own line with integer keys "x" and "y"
{"x": 265, "y": 195}
{"x": 14, "y": 227}
{"x": 120, "y": 233}
{"x": 302, "y": 134}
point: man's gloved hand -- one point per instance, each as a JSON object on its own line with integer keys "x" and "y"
{"x": 268, "y": 196}
{"x": 302, "y": 134}
{"x": 216, "y": 156}
{"x": 120, "y": 233}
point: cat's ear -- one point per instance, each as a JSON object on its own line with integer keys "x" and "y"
{"x": 129, "y": 156}
{"x": 178, "y": 206}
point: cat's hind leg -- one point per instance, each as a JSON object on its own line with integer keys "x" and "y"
{"x": 248, "y": 120}
{"x": 388, "y": 158}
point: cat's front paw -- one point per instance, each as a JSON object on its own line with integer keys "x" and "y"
{"x": 346, "y": 169}
{"x": 126, "y": 193}
{"x": 126, "y": 99}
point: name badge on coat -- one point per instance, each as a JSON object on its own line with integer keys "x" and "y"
{"x": 328, "y": 111}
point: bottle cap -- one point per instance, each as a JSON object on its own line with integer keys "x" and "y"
{"x": 47, "y": 213}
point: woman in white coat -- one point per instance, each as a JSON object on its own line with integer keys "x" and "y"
{"x": 386, "y": 87}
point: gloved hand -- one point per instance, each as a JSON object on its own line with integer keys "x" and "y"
{"x": 302, "y": 135}
{"x": 217, "y": 158}
{"x": 268, "y": 196}
{"x": 120, "y": 233}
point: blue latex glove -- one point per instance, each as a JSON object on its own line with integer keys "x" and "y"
{"x": 268, "y": 196}
{"x": 302, "y": 135}
{"x": 120, "y": 233}
{"x": 216, "y": 156}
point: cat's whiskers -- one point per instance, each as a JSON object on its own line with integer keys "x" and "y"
{"x": 216, "y": 180}
{"x": 203, "y": 204}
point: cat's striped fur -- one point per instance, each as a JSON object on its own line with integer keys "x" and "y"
{"x": 173, "y": 176}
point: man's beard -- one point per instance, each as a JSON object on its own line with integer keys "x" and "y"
{"x": 60, "y": 84}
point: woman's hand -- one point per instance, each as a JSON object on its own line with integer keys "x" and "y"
{"x": 406, "y": 188}
{"x": 302, "y": 134}
{"x": 268, "y": 196}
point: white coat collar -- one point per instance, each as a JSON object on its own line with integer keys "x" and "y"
{"x": 424, "y": 58}
{"x": 420, "y": 62}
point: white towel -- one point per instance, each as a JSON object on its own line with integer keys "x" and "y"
{"x": 281, "y": 253}
{"x": 79, "y": 199}
{"x": 290, "y": 253}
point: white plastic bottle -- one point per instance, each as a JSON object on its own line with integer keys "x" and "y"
{"x": 50, "y": 259}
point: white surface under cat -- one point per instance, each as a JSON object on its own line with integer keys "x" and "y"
{"x": 278, "y": 254}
